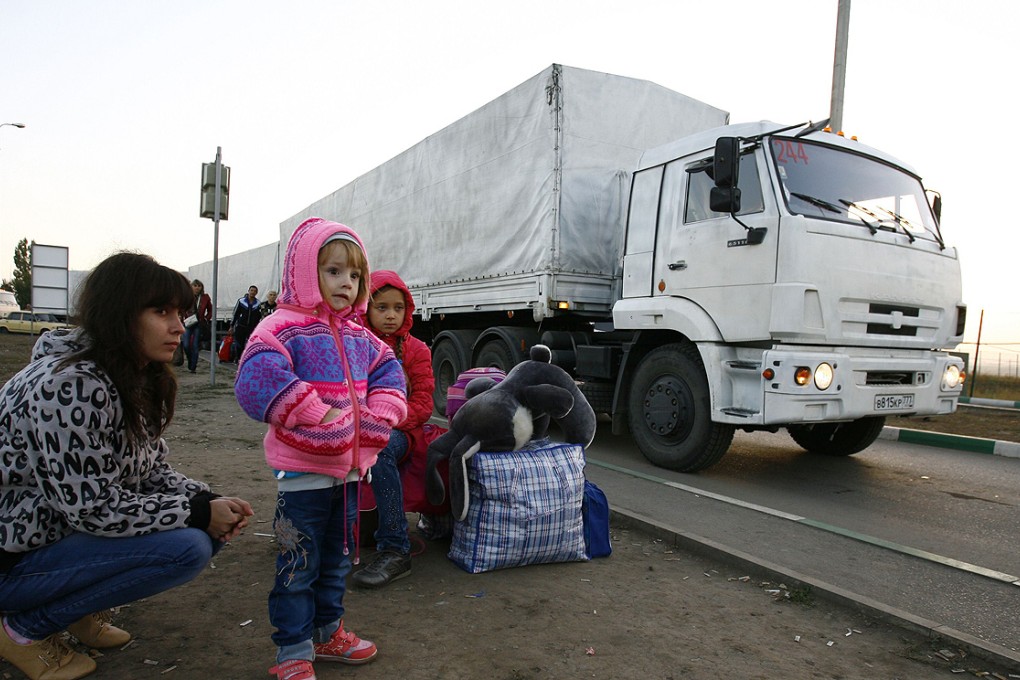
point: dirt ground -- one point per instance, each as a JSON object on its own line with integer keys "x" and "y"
{"x": 648, "y": 611}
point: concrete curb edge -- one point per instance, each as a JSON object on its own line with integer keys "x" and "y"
{"x": 952, "y": 441}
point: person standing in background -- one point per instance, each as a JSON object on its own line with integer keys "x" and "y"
{"x": 201, "y": 331}
{"x": 243, "y": 321}
{"x": 268, "y": 306}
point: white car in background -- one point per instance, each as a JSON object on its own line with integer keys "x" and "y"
{"x": 35, "y": 323}
{"x": 8, "y": 303}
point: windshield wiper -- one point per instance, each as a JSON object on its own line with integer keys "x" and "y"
{"x": 901, "y": 221}
{"x": 881, "y": 220}
{"x": 870, "y": 213}
{"x": 832, "y": 207}
{"x": 818, "y": 202}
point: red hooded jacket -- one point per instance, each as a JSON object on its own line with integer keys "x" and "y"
{"x": 417, "y": 361}
{"x": 416, "y": 358}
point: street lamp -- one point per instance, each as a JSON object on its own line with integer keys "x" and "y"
{"x": 17, "y": 125}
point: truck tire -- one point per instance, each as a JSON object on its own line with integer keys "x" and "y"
{"x": 671, "y": 412}
{"x": 838, "y": 439}
{"x": 446, "y": 366}
{"x": 495, "y": 354}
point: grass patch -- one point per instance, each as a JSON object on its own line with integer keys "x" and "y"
{"x": 1002, "y": 387}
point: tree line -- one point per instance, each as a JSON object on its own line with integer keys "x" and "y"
{"x": 21, "y": 281}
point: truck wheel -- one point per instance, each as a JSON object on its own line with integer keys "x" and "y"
{"x": 446, "y": 366}
{"x": 838, "y": 439}
{"x": 495, "y": 354}
{"x": 671, "y": 413}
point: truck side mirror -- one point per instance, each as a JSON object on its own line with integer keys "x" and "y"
{"x": 724, "y": 199}
{"x": 937, "y": 207}
{"x": 726, "y": 162}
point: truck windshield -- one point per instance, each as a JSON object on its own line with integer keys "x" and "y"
{"x": 832, "y": 184}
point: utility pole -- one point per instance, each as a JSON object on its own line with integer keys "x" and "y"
{"x": 839, "y": 66}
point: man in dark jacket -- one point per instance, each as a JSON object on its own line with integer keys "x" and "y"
{"x": 246, "y": 317}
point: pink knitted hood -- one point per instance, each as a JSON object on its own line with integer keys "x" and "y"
{"x": 300, "y": 285}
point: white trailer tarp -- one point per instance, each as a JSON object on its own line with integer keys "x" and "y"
{"x": 534, "y": 181}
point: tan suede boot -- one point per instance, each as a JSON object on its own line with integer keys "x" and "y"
{"x": 49, "y": 659}
{"x": 96, "y": 631}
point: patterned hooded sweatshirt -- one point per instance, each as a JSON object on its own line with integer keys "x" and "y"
{"x": 306, "y": 358}
{"x": 66, "y": 465}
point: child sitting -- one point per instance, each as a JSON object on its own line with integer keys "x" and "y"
{"x": 390, "y": 318}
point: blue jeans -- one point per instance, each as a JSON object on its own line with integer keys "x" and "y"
{"x": 389, "y": 496}
{"x": 52, "y": 587}
{"x": 315, "y": 535}
{"x": 192, "y": 342}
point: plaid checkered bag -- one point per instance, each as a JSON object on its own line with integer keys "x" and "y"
{"x": 524, "y": 508}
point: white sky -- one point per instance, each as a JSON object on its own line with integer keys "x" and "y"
{"x": 125, "y": 99}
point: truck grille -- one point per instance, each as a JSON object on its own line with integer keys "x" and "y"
{"x": 894, "y": 324}
{"x": 865, "y": 319}
{"x": 889, "y": 378}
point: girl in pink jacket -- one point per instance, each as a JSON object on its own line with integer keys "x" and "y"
{"x": 331, "y": 392}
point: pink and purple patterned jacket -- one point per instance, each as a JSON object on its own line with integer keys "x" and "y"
{"x": 306, "y": 358}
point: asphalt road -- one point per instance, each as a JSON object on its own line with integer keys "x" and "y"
{"x": 918, "y": 533}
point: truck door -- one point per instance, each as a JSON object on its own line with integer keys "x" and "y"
{"x": 704, "y": 255}
{"x": 643, "y": 218}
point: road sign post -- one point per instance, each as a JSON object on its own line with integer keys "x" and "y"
{"x": 214, "y": 204}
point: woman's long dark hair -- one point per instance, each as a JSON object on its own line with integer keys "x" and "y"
{"x": 111, "y": 300}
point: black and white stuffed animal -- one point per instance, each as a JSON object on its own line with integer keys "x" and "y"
{"x": 505, "y": 416}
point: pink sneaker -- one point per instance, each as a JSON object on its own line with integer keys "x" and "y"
{"x": 345, "y": 647}
{"x": 293, "y": 669}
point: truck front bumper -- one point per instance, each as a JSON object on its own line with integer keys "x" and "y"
{"x": 864, "y": 383}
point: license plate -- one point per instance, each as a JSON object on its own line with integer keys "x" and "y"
{"x": 894, "y": 402}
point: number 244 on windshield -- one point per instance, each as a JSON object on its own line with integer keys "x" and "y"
{"x": 788, "y": 151}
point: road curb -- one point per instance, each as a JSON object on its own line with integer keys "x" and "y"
{"x": 998, "y": 403}
{"x": 952, "y": 441}
{"x": 723, "y": 553}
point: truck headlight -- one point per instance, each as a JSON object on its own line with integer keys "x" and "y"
{"x": 823, "y": 376}
{"x": 952, "y": 378}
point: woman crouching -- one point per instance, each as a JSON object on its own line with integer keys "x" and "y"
{"x": 91, "y": 514}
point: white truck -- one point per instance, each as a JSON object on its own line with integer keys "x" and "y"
{"x": 695, "y": 277}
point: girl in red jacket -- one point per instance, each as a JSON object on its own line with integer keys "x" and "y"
{"x": 390, "y": 317}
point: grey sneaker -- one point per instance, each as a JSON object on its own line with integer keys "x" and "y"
{"x": 386, "y": 567}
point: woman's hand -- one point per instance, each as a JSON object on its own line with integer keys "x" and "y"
{"x": 331, "y": 415}
{"x": 228, "y": 516}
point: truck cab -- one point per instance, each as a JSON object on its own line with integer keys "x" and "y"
{"x": 780, "y": 277}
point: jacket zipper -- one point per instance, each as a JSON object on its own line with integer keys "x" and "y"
{"x": 354, "y": 396}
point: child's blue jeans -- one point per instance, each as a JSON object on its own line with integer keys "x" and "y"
{"x": 315, "y": 537}
{"x": 389, "y": 496}
{"x": 52, "y": 587}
